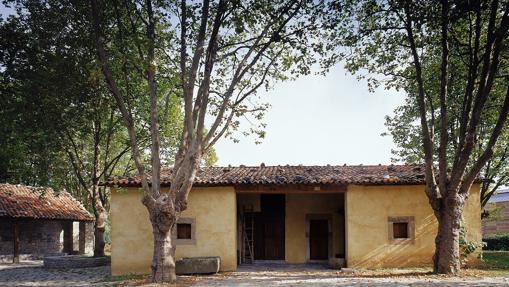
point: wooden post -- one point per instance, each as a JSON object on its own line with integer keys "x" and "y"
{"x": 15, "y": 257}
{"x": 82, "y": 237}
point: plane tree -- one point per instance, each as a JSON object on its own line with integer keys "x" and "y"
{"x": 426, "y": 48}
{"x": 221, "y": 53}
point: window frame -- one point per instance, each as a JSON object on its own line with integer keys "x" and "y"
{"x": 188, "y": 233}
{"x": 185, "y": 220}
{"x": 409, "y": 220}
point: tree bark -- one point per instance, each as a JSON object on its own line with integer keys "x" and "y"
{"x": 163, "y": 259}
{"x": 101, "y": 216}
{"x": 446, "y": 259}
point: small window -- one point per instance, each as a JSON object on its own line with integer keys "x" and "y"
{"x": 400, "y": 230}
{"x": 183, "y": 230}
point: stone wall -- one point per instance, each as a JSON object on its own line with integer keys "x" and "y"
{"x": 42, "y": 237}
{"x": 37, "y": 237}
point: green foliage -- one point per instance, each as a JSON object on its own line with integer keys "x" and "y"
{"x": 491, "y": 212}
{"x": 45, "y": 91}
{"x": 467, "y": 247}
{"x": 210, "y": 158}
{"x": 54, "y": 100}
{"x": 497, "y": 242}
{"x": 375, "y": 46}
{"x": 292, "y": 52}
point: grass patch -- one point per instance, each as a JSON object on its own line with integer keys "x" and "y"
{"x": 496, "y": 259}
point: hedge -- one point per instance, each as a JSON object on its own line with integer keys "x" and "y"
{"x": 497, "y": 242}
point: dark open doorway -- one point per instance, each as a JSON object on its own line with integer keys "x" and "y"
{"x": 318, "y": 239}
{"x": 269, "y": 226}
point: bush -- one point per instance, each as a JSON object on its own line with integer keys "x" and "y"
{"x": 497, "y": 242}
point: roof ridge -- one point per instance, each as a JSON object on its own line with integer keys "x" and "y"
{"x": 304, "y": 165}
{"x": 292, "y": 174}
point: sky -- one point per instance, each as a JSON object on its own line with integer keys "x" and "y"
{"x": 316, "y": 120}
{"x": 319, "y": 120}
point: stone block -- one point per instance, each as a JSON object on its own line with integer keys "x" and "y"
{"x": 74, "y": 261}
{"x": 336, "y": 263}
{"x": 348, "y": 270}
{"x": 197, "y": 265}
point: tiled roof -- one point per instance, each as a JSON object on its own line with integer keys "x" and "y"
{"x": 281, "y": 175}
{"x": 501, "y": 196}
{"x": 42, "y": 203}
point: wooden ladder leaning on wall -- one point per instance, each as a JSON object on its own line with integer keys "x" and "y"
{"x": 247, "y": 250}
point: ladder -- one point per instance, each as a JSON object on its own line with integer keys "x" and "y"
{"x": 247, "y": 251}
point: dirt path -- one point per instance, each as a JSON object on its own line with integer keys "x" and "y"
{"x": 33, "y": 274}
{"x": 318, "y": 277}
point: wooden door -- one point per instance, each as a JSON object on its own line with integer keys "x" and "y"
{"x": 269, "y": 229}
{"x": 318, "y": 239}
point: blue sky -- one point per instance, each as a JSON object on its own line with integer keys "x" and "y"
{"x": 319, "y": 120}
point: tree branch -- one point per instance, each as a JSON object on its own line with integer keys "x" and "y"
{"x": 112, "y": 85}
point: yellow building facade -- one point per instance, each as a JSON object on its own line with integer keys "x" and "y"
{"x": 369, "y": 210}
{"x": 213, "y": 211}
{"x": 356, "y": 222}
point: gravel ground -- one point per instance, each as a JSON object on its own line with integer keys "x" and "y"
{"x": 318, "y": 276}
{"x": 31, "y": 273}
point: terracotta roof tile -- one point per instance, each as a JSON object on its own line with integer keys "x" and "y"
{"x": 281, "y": 175}
{"x": 42, "y": 203}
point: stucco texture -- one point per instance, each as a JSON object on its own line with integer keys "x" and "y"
{"x": 214, "y": 212}
{"x": 368, "y": 209}
{"x": 300, "y": 205}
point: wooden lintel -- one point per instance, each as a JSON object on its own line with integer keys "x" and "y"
{"x": 291, "y": 189}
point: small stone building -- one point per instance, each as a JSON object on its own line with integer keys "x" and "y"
{"x": 37, "y": 221}
{"x": 500, "y": 225}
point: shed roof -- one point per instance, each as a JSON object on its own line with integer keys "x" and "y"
{"x": 296, "y": 174}
{"x": 501, "y": 196}
{"x": 19, "y": 201}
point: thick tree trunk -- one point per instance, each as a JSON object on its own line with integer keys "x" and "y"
{"x": 163, "y": 217}
{"x": 99, "y": 242}
{"x": 447, "y": 252}
{"x": 101, "y": 217}
{"x": 163, "y": 260}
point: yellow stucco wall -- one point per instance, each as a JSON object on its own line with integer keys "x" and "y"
{"x": 297, "y": 207}
{"x": 367, "y": 232}
{"x": 214, "y": 210}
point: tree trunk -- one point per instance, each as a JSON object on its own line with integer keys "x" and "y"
{"x": 163, "y": 260}
{"x": 446, "y": 259}
{"x": 101, "y": 217}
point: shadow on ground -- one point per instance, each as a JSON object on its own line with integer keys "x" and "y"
{"x": 32, "y": 273}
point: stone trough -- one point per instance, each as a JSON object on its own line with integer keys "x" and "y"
{"x": 197, "y": 265}
{"x": 74, "y": 261}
